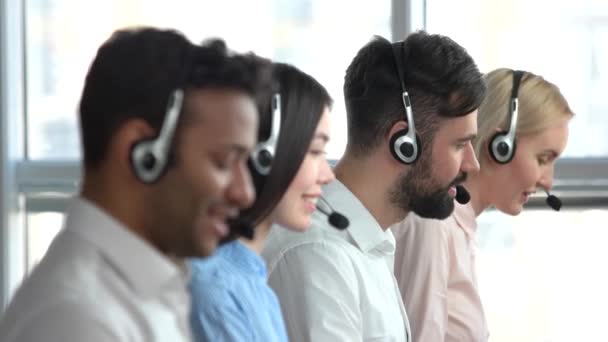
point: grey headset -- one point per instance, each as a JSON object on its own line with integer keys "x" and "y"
{"x": 263, "y": 154}
{"x": 405, "y": 144}
{"x": 502, "y": 145}
{"x": 150, "y": 157}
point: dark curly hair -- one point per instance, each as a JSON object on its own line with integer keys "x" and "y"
{"x": 440, "y": 76}
{"x": 136, "y": 70}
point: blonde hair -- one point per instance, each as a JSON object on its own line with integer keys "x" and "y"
{"x": 540, "y": 105}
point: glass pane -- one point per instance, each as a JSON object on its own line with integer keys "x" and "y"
{"x": 564, "y": 41}
{"x": 41, "y": 230}
{"x": 63, "y": 35}
{"x": 540, "y": 275}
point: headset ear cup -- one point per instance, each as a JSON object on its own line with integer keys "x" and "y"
{"x": 146, "y": 166}
{"x": 262, "y": 158}
{"x": 419, "y": 150}
{"x": 392, "y": 141}
{"x": 405, "y": 148}
{"x": 499, "y": 150}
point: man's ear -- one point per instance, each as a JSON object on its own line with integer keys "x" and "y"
{"x": 396, "y": 127}
{"x": 125, "y": 139}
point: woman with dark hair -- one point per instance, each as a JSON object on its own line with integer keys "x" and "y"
{"x": 231, "y": 298}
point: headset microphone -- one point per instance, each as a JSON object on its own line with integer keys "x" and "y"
{"x": 462, "y": 195}
{"x": 553, "y": 201}
{"x": 334, "y": 218}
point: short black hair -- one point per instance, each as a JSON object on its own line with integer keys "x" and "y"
{"x": 136, "y": 70}
{"x": 303, "y": 101}
{"x": 440, "y": 76}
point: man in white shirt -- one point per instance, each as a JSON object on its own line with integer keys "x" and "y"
{"x": 339, "y": 285}
{"x": 167, "y": 127}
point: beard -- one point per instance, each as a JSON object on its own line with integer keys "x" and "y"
{"x": 419, "y": 192}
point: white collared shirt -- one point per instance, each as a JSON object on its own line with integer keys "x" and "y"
{"x": 337, "y": 285}
{"x": 99, "y": 282}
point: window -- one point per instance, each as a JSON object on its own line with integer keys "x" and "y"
{"x": 566, "y": 42}
{"x": 540, "y": 275}
{"x": 60, "y": 45}
{"x": 41, "y": 228}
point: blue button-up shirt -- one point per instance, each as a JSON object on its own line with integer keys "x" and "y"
{"x": 231, "y": 300}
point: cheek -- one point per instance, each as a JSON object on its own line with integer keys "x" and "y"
{"x": 526, "y": 172}
{"x": 208, "y": 181}
{"x": 306, "y": 177}
{"x": 446, "y": 167}
{"x": 286, "y": 212}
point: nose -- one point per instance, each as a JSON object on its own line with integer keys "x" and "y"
{"x": 326, "y": 174}
{"x": 241, "y": 192}
{"x": 470, "y": 164}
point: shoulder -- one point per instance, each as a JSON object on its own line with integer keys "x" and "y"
{"x": 419, "y": 228}
{"x": 318, "y": 243}
{"x": 64, "y": 318}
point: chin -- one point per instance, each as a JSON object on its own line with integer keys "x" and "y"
{"x": 513, "y": 210}
{"x": 207, "y": 247}
{"x": 298, "y": 225}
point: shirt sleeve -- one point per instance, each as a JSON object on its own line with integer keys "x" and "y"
{"x": 64, "y": 322}
{"x": 422, "y": 270}
{"x": 217, "y": 316}
{"x": 318, "y": 290}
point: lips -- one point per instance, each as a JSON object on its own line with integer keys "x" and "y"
{"x": 219, "y": 217}
{"x": 311, "y": 201}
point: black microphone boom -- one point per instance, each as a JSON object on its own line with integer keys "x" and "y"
{"x": 553, "y": 201}
{"x": 462, "y": 195}
{"x": 334, "y": 218}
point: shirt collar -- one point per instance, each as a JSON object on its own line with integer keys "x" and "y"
{"x": 142, "y": 266}
{"x": 243, "y": 258}
{"x": 464, "y": 215}
{"x": 363, "y": 228}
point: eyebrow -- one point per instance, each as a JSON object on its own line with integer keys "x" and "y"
{"x": 553, "y": 153}
{"x": 321, "y": 136}
{"x": 467, "y": 138}
{"x": 236, "y": 148}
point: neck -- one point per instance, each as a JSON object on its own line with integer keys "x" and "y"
{"x": 360, "y": 176}
{"x": 261, "y": 232}
{"x": 117, "y": 200}
{"x": 475, "y": 185}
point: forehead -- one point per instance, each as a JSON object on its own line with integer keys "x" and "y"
{"x": 323, "y": 125}
{"x": 554, "y": 137}
{"x": 218, "y": 112}
{"x": 458, "y": 127}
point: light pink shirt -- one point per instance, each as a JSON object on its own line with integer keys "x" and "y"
{"x": 435, "y": 270}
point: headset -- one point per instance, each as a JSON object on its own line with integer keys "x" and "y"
{"x": 502, "y": 145}
{"x": 405, "y": 144}
{"x": 263, "y": 154}
{"x": 150, "y": 157}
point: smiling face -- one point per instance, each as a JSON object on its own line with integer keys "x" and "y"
{"x": 209, "y": 180}
{"x": 428, "y": 189}
{"x": 531, "y": 168}
{"x": 299, "y": 202}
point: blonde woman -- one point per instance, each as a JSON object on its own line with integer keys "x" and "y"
{"x": 522, "y": 130}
